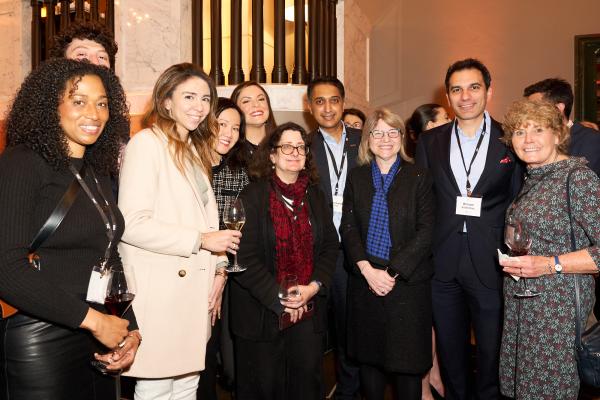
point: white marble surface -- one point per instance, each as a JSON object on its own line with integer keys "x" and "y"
{"x": 15, "y": 48}
{"x": 357, "y": 29}
{"x": 152, "y": 35}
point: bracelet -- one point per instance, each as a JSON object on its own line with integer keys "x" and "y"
{"x": 137, "y": 335}
{"x": 391, "y": 272}
{"x": 221, "y": 272}
{"x": 550, "y": 268}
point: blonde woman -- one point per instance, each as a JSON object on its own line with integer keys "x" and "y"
{"x": 386, "y": 229}
{"x": 172, "y": 239}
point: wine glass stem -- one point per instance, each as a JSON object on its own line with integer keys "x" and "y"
{"x": 235, "y": 260}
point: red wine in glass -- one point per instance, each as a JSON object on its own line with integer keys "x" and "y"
{"x": 117, "y": 304}
{"x": 519, "y": 243}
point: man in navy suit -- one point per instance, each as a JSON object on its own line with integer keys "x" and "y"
{"x": 584, "y": 142}
{"x": 334, "y": 149}
{"x": 475, "y": 177}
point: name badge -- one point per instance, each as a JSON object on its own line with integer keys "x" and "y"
{"x": 98, "y": 284}
{"x": 470, "y": 206}
{"x": 338, "y": 202}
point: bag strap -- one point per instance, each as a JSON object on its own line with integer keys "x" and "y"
{"x": 57, "y": 216}
{"x": 577, "y": 301}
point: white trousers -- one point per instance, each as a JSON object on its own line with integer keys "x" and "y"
{"x": 177, "y": 388}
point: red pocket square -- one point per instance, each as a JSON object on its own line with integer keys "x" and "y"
{"x": 505, "y": 160}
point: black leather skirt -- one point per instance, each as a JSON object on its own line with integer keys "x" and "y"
{"x": 42, "y": 361}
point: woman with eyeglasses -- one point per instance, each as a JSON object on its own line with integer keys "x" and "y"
{"x": 288, "y": 232}
{"x": 386, "y": 230}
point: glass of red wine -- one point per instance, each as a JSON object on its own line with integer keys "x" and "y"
{"x": 120, "y": 294}
{"x": 518, "y": 242}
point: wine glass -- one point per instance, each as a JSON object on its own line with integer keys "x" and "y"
{"x": 120, "y": 294}
{"x": 288, "y": 288}
{"x": 234, "y": 218}
{"x": 519, "y": 242}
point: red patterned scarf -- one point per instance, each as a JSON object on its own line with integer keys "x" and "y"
{"x": 293, "y": 233}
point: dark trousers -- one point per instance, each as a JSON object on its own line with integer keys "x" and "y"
{"x": 374, "y": 380}
{"x": 42, "y": 361}
{"x": 347, "y": 372}
{"x": 456, "y": 305}
{"x": 290, "y": 367}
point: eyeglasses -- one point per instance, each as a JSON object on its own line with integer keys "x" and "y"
{"x": 392, "y": 134}
{"x": 288, "y": 149}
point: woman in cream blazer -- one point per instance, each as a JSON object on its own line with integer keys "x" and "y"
{"x": 171, "y": 239}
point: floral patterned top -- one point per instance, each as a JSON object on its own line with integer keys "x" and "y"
{"x": 537, "y": 358}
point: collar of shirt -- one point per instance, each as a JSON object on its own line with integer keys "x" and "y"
{"x": 337, "y": 148}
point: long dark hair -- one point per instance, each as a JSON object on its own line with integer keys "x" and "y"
{"x": 417, "y": 123}
{"x": 235, "y": 158}
{"x": 34, "y": 120}
{"x": 261, "y": 166}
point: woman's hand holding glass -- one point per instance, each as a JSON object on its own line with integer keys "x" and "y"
{"x": 528, "y": 266}
{"x": 108, "y": 329}
{"x": 123, "y": 355}
{"x": 380, "y": 282}
{"x": 220, "y": 241}
{"x": 294, "y": 296}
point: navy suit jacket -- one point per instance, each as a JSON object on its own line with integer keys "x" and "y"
{"x": 585, "y": 142}
{"x": 319, "y": 154}
{"x": 499, "y": 183}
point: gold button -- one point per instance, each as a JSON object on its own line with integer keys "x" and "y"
{"x": 181, "y": 273}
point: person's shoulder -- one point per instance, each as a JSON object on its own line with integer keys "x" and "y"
{"x": 20, "y": 156}
{"x": 583, "y": 132}
{"x": 414, "y": 169}
{"x": 255, "y": 188}
{"x": 430, "y": 134}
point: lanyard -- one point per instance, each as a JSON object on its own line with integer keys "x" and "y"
{"x": 338, "y": 172}
{"x": 110, "y": 222}
{"x": 462, "y": 157}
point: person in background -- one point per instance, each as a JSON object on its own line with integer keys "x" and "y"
{"x": 475, "y": 177}
{"x": 66, "y": 114}
{"x": 584, "y": 140}
{"x": 229, "y": 177}
{"x": 172, "y": 239}
{"x": 353, "y": 118}
{"x": 425, "y": 117}
{"x": 335, "y": 149}
{"x": 254, "y": 102}
{"x": 288, "y": 231}
{"x": 389, "y": 251}
{"x": 86, "y": 40}
{"x": 539, "y": 332}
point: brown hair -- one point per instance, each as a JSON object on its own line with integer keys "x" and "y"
{"x": 364, "y": 152}
{"x": 203, "y": 137}
{"x": 543, "y": 112}
{"x": 261, "y": 166}
{"x": 270, "y": 125}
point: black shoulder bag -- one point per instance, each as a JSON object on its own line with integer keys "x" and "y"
{"x": 49, "y": 227}
{"x": 587, "y": 345}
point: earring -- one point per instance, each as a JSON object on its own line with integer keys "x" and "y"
{"x": 272, "y": 166}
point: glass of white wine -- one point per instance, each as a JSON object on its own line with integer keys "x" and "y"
{"x": 234, "y": 218}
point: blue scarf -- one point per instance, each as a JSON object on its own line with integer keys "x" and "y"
{"x": 378, "y": 235}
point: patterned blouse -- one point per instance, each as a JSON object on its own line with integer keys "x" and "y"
{"x": 227, "y": 185}
{"x": 537, "y": 357}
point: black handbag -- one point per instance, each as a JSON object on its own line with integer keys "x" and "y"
{"x": 587, "y": 345}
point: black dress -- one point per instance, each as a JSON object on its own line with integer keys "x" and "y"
{"x": 392, "y": 332}
{"x": 43, "y": 353}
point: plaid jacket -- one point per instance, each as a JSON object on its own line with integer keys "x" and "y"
{"x": 227, "y": 185}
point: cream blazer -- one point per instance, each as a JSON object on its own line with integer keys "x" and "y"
{"x": 164, "y": 215}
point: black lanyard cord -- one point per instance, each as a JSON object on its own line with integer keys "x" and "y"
{"x": 110, "y": 221}
{"x": 338, "y": 172}
{"x": 462, "y": 157}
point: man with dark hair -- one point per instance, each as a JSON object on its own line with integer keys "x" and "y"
{"x": 335, "y": 149}
{"x": 475, "y": 177}
{"x": 584, "y": 141}
{"x": 89, "y": 40}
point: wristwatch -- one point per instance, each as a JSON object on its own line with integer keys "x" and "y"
{"x": 557, "y": 267}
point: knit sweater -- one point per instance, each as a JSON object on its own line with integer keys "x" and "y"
{"x": 29, "y": 191}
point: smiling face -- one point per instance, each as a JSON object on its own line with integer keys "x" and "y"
{"x": 83, "y": 113}
{"x": 327, "y": 106}
{"x": 189, "y": 105}
{"x": 385, "y": 148}
{"x": 288, "y": 166}
{"x": 253, "y": 103}
{"x": 535, "y": 144}
{"x": 229, "y": 130}
{"x": 85, "y": 49}
{"x": 467, "y": 94}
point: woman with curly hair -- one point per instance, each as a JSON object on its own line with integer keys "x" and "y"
{"x": 288, "y": 231}
{"x": 172, "y": 238}
{"x": 68, "y": 116}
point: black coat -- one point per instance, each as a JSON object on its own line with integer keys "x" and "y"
{"x": 255, "y": 306}
{"x": 499, "y": 183}
{"x": 392, "y": 332}
{"x": 585, "y": 142}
